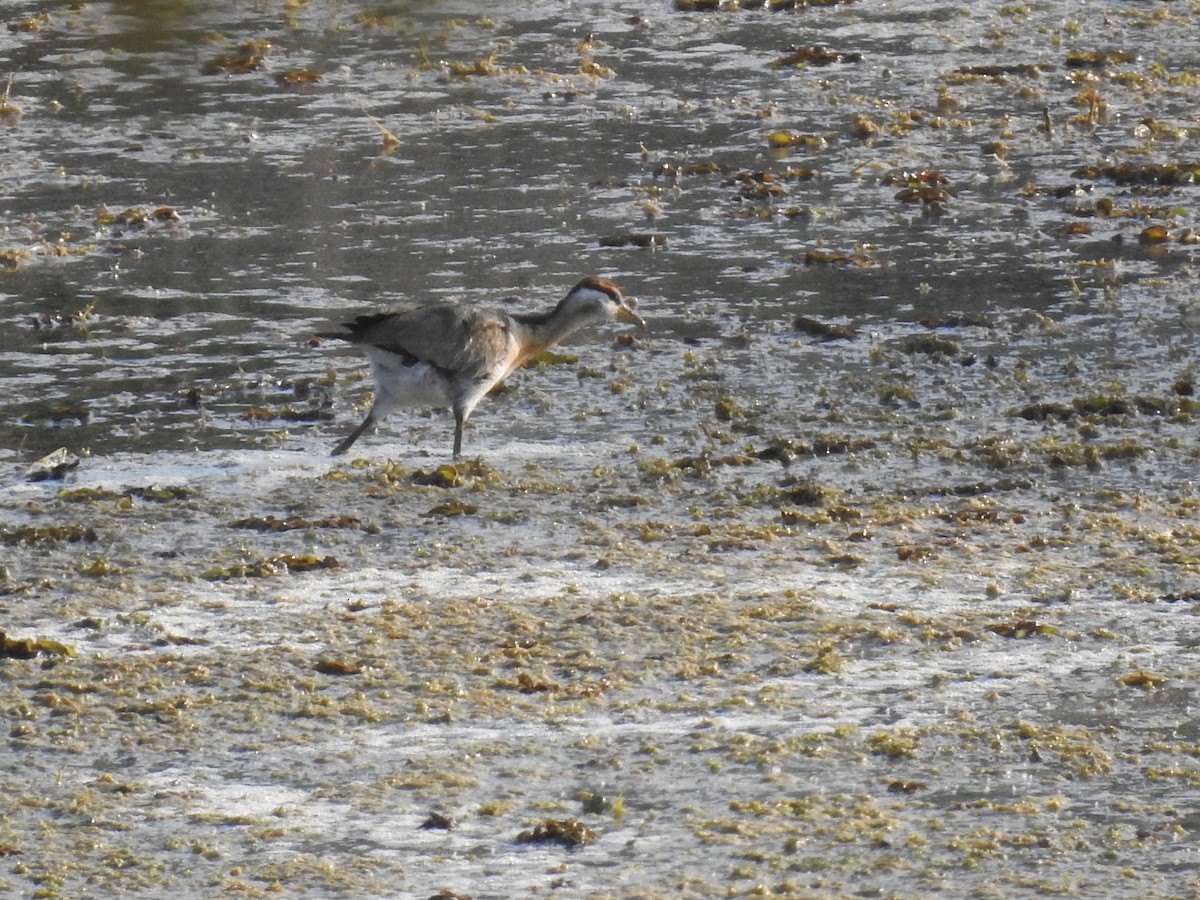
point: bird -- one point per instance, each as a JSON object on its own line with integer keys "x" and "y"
{"x": 444, "y": 354}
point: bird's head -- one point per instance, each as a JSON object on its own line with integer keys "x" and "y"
{"x": 597, "y": 299}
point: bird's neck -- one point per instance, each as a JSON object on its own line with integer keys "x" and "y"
{"x": 542, "y": 330}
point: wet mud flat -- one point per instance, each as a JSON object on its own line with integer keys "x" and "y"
{"x": 896, "y": 663}
{"x": 871, "y": 570}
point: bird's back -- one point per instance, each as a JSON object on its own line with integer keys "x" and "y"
{"x": 462, "y": 341}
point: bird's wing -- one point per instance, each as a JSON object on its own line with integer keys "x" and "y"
{"x": 458, "y": 339}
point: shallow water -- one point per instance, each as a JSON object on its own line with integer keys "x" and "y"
{"x": 902, "y": 615}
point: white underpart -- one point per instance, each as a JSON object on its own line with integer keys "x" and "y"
{"x": 399, "y": 385}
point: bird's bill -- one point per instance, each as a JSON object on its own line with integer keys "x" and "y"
{"x": 625, "y": 314}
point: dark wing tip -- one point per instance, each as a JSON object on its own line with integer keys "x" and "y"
{"x": 354, "y": 330}
{"x": 361, "y": 323}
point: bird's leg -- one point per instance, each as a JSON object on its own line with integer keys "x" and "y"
{"x": 354, "y": 436}
{"x": 459, "y": 421}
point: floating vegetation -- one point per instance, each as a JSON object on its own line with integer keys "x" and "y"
{"x": 813, "y": 55}
{"x": 136, "y": 216}
{"x": 1103, "y": 405}
{"x": 337, "y": 667}
{"x": 1171, "y": 174}
{"x": 1059, "y": 191}
{"x": 30, "y": 24}
{"x": 738, "y": 5}
{"x": 446, "y": 475}
{"x": 439, "y": 822}
{"x": 53, "y": 466}
{"x": 915, "y": 178}
{"x": 643, "y": 240}
{"x": 784, "y": 138}
{"x": 1154, "y": 234}
{"x": 1143, "y": 679}
{"x": 865, "y": 127}
{"x": 998, "y": 149}
{"x": 567, "y": 832}
{"x": 1098, "y": 59}
{"x": 856, "y": 259}
{"x": 588, "y": 65}
{"x": 268, "y": 567}
{"x": 291, "y": 414}
{"x": 1022, "y": 628}
{"x": 805, "y": 492}
{"x": 481, "y": 114}
{"x": 824, "y": 330}
{"x": 527, "y": 684}
{"x": 450, "y": 509}
{"x": 926, "y": 194}
{"x": 28, "y": 648}
{"x": 292, "y": 78}
{"x": 553, "y": 358}
{"x": 374, "y": 20}
{"x": 61, "y": 411}
{"x": 797, "y": 4}
{"x": 151, "y": 493}
{"x": 955, "y": 321}
{"x": 968, "y": 74}
{"x": 1097, "y": 108}
{"x": 826, "y": 662}
{"x": 915, "y": 553}
{"x": 788, "y": 450}
{"x": 757, "y": 185}
{"x": 1040, "y": 412}
{"x": 798, "y": 173}
{"x": 1184, "y": 597}
{"x": 247, "y": 57}
{"x": 31, "y": 535}
{"x": 930, "y": 345}
{"x": 10, "y": 113}
{"x": 899, "y": 743}
{"x": 12, "y": 257}
{"x": 703, "y": 465}
{"x": 98, "y": 567}
{"x": 390, "y": 141}
{"x": 482, "y": 67}
{"x": 899, "y": 786}
{"x": 293, "y": 523}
